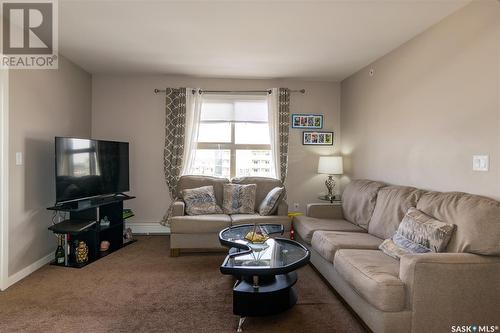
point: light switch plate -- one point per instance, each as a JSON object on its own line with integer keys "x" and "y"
{"x": 19, "y": 158}
{"x": 480, "y": 162}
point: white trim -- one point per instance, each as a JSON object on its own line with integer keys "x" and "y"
{"x": 28, "y": 270}
{"x": 4, "y": 178}
{"x": 148, "y": 228}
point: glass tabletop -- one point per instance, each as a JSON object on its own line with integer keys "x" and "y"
{"x": 274, "y": 256}
{"x": 240, "y": 231}
{"x": 274, "y": 253}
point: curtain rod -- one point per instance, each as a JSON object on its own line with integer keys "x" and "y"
{"x": 268, "y": 91}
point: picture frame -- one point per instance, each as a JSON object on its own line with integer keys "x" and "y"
{"x": 317, "y": 138}
{"x": 307, "y": 121}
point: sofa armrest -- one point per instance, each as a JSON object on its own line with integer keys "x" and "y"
{"x": 282, "y": 208}
{"x": 445, "y": 289}
{"x": 325, "y": 210}
{"x": 178, "y": 208}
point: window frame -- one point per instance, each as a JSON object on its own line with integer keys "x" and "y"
{"x": 233, "y": 146}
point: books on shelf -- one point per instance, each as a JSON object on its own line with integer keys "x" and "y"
{"x": 127, "y": 212}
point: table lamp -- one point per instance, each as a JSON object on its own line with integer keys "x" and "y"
{"x": 330, "y": 165}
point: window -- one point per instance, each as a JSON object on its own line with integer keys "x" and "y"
{"x": 83, "y": 158}
{"x": 233, "y": 137}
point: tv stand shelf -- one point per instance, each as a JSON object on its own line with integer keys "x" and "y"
{"x": 74, "y": 206}
{"x": 84, "y": 225}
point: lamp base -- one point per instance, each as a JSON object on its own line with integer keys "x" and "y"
{"x": 330, "y": 186}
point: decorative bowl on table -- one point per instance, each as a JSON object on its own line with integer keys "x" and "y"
{"x": 256, "y": 237}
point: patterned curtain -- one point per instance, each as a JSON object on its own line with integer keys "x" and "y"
{"x": 284, "y": 128}
{"x": 175, "y": 117}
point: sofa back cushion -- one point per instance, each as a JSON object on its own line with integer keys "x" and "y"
{"x": 264, "y": 186}
{"x": 477, "y": 220}
{"x": 200, "y": 201}
{"x": 190, "y": 181}
{"x": 358, "y": 201}
{"x": 239, "y": 199}
{"x": 392, "y": 204}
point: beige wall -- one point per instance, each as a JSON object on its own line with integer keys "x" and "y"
{"x": 432, "y": 104}
{"x": 42, "y": 104}
{"x": 125, "y": 108}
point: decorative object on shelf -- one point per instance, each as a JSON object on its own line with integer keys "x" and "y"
{"x": 313, "y": 121}
{"x": 82, "y": 253}
{"x": 59, "y": 256}
{"x": 127, "y": 235}
{"x": 257, "y": 235}
{"x": 104, "y": 245}
{"x": 104, "y": 222}
{"x": 317, "y": 138}
{"x": 330, "y": 165}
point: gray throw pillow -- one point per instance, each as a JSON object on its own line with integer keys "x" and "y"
{"x": 270, "y": 203}
{"x": 200, "y": 201}
{"x": 418, "y": 233}
{"x": 239, "y": 199}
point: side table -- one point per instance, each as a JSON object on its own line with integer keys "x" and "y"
{"x": 334, "y": 199}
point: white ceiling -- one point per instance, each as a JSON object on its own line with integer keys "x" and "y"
{"x": 326, "y": 40}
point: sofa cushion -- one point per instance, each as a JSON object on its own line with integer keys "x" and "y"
{"x": 239, "y": 199}
{"x": 418, "y": 233}
{"x": 269, "y": 205}
{"x": 305, "y": 226}
{"x": 327, "y": 243}
{"x": 374, "y": 276}
{"x": 392, "y": 204}
{"x": 264, "y": 186}
{"x": 238, "y": 219}
{"x": 190, "y": 181}
{"x": 358, "y": 201}
{"x": 477, "y": 220}
{"x": 199, "y": 224}
{"x": 200, "y": 201}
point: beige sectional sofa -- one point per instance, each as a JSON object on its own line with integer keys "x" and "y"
{"x": 428, "y": 292}
{"x": 200, "y": 232}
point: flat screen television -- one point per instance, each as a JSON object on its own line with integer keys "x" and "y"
{"x": 90, "y": 168}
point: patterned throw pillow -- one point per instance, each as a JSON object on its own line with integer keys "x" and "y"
{"x": 200, "y": 201}
{"x": 270, "y": 203}
{"x": 418, "y": 233}
{"x": 239, "y": 199}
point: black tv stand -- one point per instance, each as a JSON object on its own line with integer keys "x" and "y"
{"x": 84, "y": 225}
{"x": 122, "y": 195}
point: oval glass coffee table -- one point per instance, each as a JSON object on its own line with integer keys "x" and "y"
{"x": 265, "y": 272}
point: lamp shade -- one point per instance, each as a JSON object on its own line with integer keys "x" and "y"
{"x": 331, "y": 165}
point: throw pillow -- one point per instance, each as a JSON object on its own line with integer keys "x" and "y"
{"x": 418, "y": 233}
{"x": 239, "y": 199}
{"x": 200, "y": 201}
{"x": 270, "y": 203}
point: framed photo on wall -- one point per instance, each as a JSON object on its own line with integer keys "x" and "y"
{"x": 310, "y": 121}
{"x": 317, "y": 138}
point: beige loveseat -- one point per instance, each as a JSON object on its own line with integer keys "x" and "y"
{"x": 422, "y": 292}
{"x": 200, "y": 232}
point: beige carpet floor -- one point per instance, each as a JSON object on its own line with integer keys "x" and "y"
{"x": 141, "y": 289}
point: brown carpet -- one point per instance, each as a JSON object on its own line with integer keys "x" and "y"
{"x": 141, "y": 289}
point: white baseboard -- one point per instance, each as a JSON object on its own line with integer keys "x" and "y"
{"x": 28, "y": 270}
{"x": 148, "y": 228}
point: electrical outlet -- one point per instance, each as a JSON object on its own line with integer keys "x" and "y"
{"x": 19, "y": 158}
{"x": 296, "y": 205}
